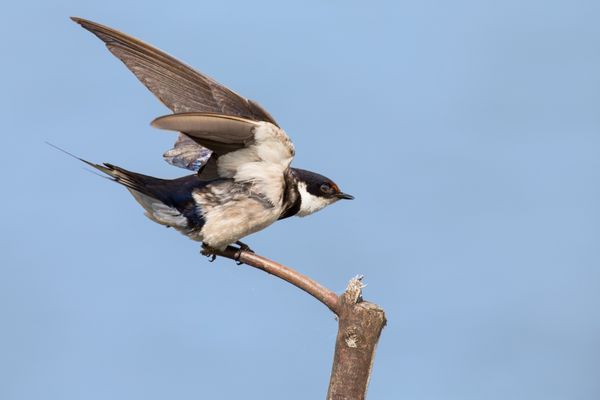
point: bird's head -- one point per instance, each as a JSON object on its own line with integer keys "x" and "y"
{"x": 316, "y": 192}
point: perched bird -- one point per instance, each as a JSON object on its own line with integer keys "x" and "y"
{"x": 243, "y": 181}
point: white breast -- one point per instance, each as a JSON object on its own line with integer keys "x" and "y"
{"x": 233, "y": 219}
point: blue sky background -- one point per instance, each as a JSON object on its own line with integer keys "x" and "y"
{"x": 469, "y": 132}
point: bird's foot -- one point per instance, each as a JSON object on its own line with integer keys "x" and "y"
{"x": 238, "y": 254}
{"x": 244, "y": 246}
{"x": 208, "y": 252}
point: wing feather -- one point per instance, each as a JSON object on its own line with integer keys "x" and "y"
{"x": 178, "y": 86}
{"x": 187, "y": 154}
{"x": 219, "y": 133}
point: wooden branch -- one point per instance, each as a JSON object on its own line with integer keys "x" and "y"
{"x": 321, "y": 293}
{"x": 359, "y": 327}
{"x": 359, "y": 324}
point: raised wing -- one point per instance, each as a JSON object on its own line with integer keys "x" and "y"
{"x": 178, "y": 86}
{"x": 246, "y": 150}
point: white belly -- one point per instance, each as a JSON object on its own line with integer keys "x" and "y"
{"x": 228, "y": 223}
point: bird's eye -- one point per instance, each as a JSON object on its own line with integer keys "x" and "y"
{"x": 325, "y": 188}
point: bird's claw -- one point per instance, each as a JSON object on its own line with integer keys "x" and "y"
{"x": 243, "y": 247}
{"x": 208, "y": 252}
{"x": 237, "y": 256}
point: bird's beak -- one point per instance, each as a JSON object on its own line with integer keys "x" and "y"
{"x": 344, "y": 196}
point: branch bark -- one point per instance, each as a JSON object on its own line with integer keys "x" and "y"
{"x": 359, "y": 324}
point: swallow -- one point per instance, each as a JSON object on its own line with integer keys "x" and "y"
{"x": 241, "y": 157}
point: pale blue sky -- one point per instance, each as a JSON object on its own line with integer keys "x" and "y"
{"x": 469, "y": 132}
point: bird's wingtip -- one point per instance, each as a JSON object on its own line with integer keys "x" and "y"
{"x": 86, "y": 23}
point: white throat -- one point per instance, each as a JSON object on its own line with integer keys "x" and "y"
{"x": 310, "y": 203}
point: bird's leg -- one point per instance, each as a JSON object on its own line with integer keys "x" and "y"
{"x": 208, "y": 252}
{"x": 243, "y": 247}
